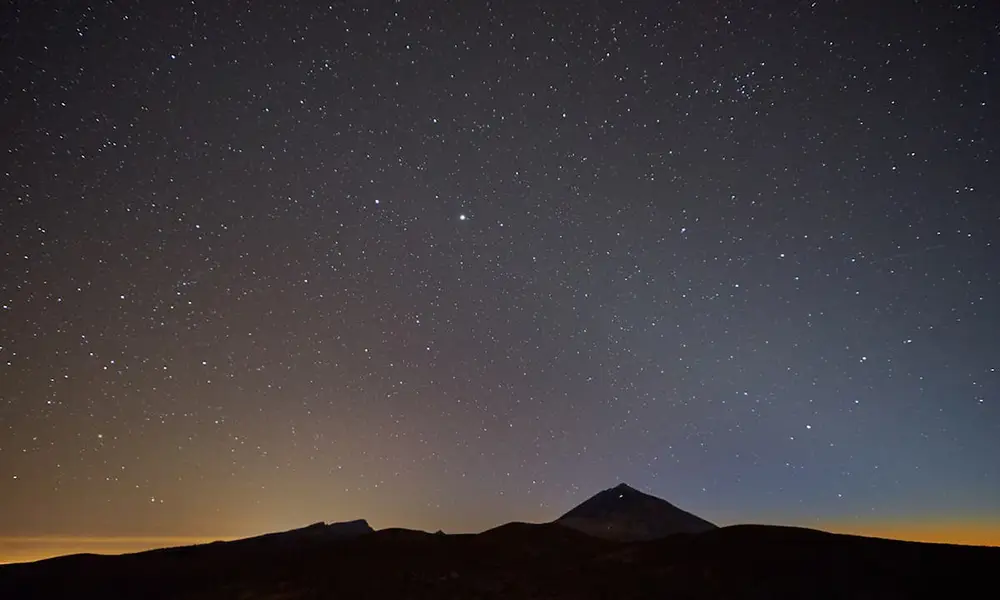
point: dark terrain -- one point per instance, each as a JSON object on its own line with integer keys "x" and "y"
{"x": 626, "y": 514}
{"x": 519, "y": 560}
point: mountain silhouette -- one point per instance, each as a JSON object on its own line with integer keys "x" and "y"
{"x": 624, "y": 513}
{"x": 317, "y": 532}
{"x": 525, "y": 560}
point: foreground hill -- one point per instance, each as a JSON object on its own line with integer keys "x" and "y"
{"x": 519, "y": 560}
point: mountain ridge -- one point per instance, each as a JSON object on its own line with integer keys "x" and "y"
{"x": 624, "y": 513}
{"x": 643, "y": 555}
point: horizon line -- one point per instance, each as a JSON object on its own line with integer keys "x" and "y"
{"x": 31, "y": 548}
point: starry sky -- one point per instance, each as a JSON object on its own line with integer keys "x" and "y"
{"x": 443, "y": 265}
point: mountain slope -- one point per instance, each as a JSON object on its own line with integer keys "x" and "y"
{"x": 624, "y": 513}
{"x": 521, "y": 560}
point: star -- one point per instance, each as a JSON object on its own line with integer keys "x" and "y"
{"x": 618, "y": 294}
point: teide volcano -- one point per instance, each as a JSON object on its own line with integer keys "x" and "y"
{"x": 528, "y": 561}
{"x": 626, "y": 514}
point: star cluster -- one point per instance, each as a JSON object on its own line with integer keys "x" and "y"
{"x": 446, "y": 264}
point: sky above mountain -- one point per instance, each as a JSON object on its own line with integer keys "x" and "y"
{"x": 449, "y": 264}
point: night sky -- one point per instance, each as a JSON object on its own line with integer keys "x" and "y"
{"x": 444, "y": 265}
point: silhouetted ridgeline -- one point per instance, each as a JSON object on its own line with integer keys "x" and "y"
{"x": 521, "y": 560}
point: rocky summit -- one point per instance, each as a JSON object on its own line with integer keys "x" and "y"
{"x": 624, "y": 513}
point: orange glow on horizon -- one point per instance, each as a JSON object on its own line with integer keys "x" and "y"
{"x": 28, "y": 549}
{"x": 32, "y": 548}
{"x": 972, "y": 533}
